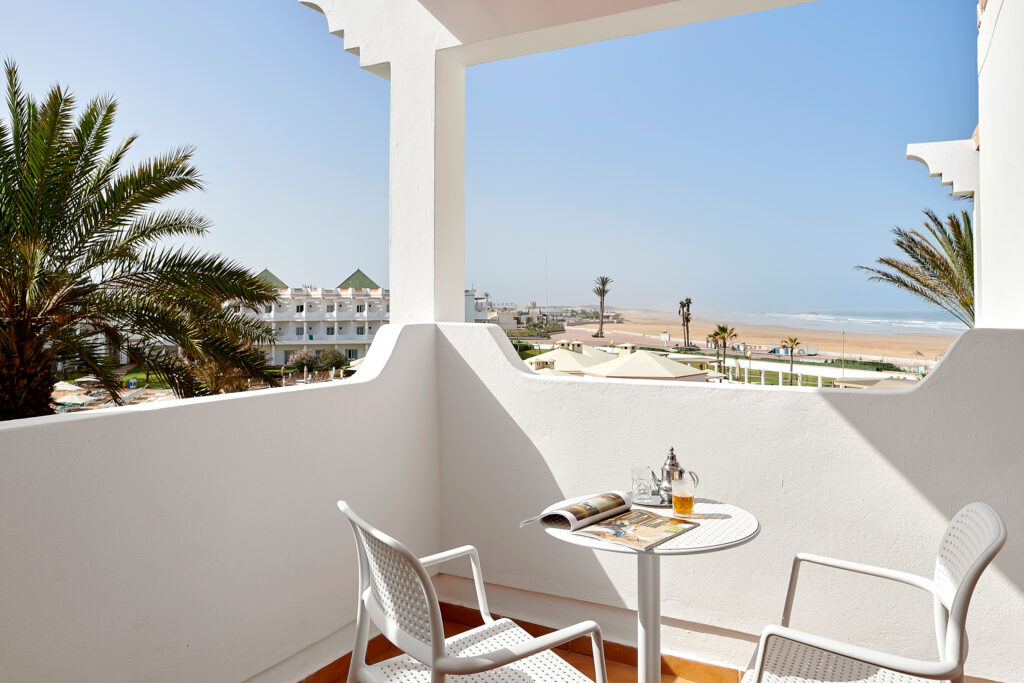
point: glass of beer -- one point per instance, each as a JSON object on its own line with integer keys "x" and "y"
{"x": 682, "y": 494}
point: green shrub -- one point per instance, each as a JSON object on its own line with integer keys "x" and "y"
{"x": 332, "y": 358}
{"x": 305, "y": 358}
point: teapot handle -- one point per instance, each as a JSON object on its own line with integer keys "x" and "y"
{"x": 696, "y": 479}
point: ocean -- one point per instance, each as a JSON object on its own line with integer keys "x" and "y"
{"x": 869, "y": 322}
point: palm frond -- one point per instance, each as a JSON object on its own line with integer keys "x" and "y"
{"x": 938, "y": 268}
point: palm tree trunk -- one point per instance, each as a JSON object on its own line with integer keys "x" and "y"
{"x": 600, "y": 323}
{"x": 27, "y": 377}
{"x": 791, "y": 352}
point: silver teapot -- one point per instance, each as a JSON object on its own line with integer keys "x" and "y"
{"x": 669, "y": 471}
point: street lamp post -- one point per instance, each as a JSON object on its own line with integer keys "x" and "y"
{"x": 750, "y": 354}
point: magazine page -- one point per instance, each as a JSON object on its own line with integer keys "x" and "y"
{"x": 638, "y": 529}
{"x": 573, "y": 516}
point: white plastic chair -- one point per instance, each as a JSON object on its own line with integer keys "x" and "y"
{"x": 396, "y": 594}
{"x": 972, "y": 539}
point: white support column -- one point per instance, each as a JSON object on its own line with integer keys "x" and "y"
{"x": 763, "y": 373}
{"x": 820, "y": 381}
{"x": 999, "y": 202}
{"x": 427, "y": 234}
{"x": 648, "y": 618}
{"x": 799, "y": 380}
{"x": 746, "y": 375}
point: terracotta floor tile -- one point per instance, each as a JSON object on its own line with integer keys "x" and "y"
{"x": 451, "y": 628}
{"x": 333, "y": 672}
{"x": 674, "y": 670}
{"x": 698, "y": 671}
{"x": 617, "y": 671}
{"x": 461, "y": 615}
{"x": 386, "y": 653}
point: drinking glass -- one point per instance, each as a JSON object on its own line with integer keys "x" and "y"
{"x": 642, "y": 483}
{"x": 682, "y": 494}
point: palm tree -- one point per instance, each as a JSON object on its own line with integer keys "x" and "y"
{"x": 721, "y": 336}
{"x": 601, "y": 289}
{"x": 684, "y": 313}
{"x": 940, "y": 273}
{"x": 83, "y": 274}
{"x": 790, "y": 344}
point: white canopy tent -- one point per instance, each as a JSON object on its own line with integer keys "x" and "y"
{"x": 565, "y": 361}
{"x": 646, "y": 365}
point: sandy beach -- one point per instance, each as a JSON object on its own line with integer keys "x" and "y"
{"x": 931, "y": 346}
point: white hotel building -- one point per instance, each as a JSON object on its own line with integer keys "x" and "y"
{"x": 344, "y": 318}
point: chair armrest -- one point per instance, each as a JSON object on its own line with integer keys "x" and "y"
{"x": 940, "y": 670}
{"x": 445, "y": 555}
{"x": 478, "y": 577}
{"x": 856, "y": 567}
{"x": 505, "y": 656}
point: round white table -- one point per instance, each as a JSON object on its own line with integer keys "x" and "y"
{"x": 721, "y": 526}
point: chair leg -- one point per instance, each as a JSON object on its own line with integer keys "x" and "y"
{"x": 358, "y": 658}
{"x": 597, "y": 647}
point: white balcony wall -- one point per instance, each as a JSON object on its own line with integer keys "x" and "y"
{"x": 871, "y": 476}
{"x": 199, "y": 540}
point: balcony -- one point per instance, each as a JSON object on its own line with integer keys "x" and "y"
{"x": 198, "y": 540}
{"x": 153, "y": 560}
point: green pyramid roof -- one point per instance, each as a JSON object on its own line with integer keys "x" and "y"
{"x": 271, "y": 279}
{"x": 359, "y": 279}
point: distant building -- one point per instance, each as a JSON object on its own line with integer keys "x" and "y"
{"x": 344, "y": 318}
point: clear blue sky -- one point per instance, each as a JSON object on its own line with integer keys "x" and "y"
{"x": 748, "y": 163}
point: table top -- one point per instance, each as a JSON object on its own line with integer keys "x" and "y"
{"x": 721, "y": 526}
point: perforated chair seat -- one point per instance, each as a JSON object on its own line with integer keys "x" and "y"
{"x": 787, "y": 661}
{"x": 544, "y": 667}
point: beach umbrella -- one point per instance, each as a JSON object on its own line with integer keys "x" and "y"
{"x": 76, "y": 399}
{"x": 646, "y": 365}
{"x": 551, "y": 371}
{"x": 892, "y": 383}
{"x": 64, "y": 386}
{"x": 88, "y": 379}
{"x": 565, "y": 361}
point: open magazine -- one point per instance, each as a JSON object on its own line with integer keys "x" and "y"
{"x": 611, "y": 517}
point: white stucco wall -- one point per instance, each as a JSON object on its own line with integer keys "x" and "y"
{"x": 199, "y": 540}
{"x": 872, "y": 476}
{"x": 1000, "y": 243}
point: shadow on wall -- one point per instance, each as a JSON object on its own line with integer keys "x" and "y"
{"x": 495, "y": 476}
{"x": 872, "y": 476}
{"x": 977, "y": 392}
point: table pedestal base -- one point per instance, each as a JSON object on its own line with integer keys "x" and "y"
{"x": 648, "y": 616}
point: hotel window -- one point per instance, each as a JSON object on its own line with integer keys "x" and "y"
{"x": 360, "y": 330}
{"x": 330, "y": 308}
{"x": 269, "y": 308}
{"x": 351, "y": 354}
{"x": 330, "y": 331}
{"x": 299, "y": 308}
{"x": 360, "y": 308}
{"x": 388, "y": 308}
{"x": 298, "y": 331}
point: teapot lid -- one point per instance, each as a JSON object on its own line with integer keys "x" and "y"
{"x": 671, "y": 463}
